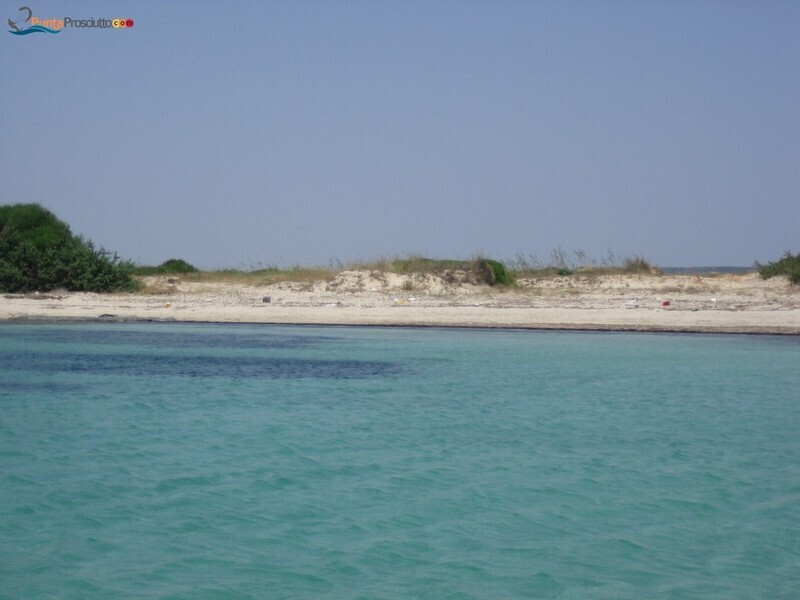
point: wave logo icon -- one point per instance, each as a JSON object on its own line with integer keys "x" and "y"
{"x": 25, "y": 23}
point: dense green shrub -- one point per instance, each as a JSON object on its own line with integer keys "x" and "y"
{"x": 171, "y": 266}
{"x": 491, "y": 272}
{"x": 501, "y": 274}
{"x": 788, "y": 265}
{"x": 39, "y": 253}
{"x": 33, "y": 224}
{"x": 177, "y": 265}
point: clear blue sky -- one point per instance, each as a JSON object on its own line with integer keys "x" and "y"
{"x": 246, "y": 133}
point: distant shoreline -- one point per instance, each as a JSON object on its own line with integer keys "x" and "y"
{"x": 563, "y": 327}
{"x": 664, "y": 303}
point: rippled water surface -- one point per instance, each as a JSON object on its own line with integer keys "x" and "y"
{"x": 211, "y": 461}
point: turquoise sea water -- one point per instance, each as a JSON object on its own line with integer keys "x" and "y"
{"x": 224, "y": 461}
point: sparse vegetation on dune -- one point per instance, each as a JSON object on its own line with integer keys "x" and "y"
{"x": 255, "y": 276}
{"x": 562, "y": 264}
{"x": 478, "y": 270}
{"x": 486, "y": 271}
{"x": 260, "y": 276}
{"x": 412, "y": 264}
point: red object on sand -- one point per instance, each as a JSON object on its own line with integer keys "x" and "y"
{"x": 666, "y": 303}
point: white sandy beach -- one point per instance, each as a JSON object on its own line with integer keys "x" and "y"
{"x": 717, "y": 303}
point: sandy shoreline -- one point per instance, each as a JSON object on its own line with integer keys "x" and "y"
{"x": 714, "y": 304}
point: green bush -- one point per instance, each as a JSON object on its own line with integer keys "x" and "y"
{"x": 33, "y": 225}
{"x": 177, "y": 265}
{"x": 491, "y": 272}
{"x": 39, "y": 253}
{"x": 171, "y": 266}
{"x": 788, "y": 265}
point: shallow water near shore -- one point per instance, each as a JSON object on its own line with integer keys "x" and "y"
{"x": 228, "y": 461}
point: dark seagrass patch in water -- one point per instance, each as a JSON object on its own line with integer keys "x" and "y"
{"x": 203, "y": 366}
{"x": 175, "y": 339}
